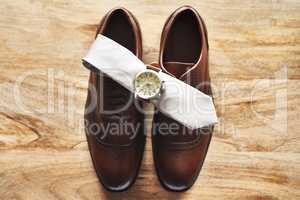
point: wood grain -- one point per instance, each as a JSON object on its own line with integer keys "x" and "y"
{"x": 255, "y": 70}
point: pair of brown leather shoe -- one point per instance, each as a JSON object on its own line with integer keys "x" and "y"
{"x": 114, "y": 119}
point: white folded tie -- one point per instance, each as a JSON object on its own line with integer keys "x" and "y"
{"x": 179, "y": 100}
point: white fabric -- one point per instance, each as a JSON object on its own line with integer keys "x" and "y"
{"x": 179, "y": 100}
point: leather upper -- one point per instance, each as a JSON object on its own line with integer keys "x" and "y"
{"x": 115, "y": 124}
{"x": 179, "y": 152}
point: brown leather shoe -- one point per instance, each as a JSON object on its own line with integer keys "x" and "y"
{"x": 114, "y": 126}
{"x": 178, "y": 152}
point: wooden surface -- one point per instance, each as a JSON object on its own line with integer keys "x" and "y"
{"x": 255, "y": 69}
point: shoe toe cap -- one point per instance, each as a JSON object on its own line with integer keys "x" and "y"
{"x": 176, "y": 170}
{"x": 116, "y": 167}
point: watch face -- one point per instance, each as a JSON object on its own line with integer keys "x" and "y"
{"x": 147, "y": 84}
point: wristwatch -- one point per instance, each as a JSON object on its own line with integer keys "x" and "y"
{"x": 148, "y": 84}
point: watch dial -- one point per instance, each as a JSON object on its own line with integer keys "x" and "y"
{"x": 147, "y": 84}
